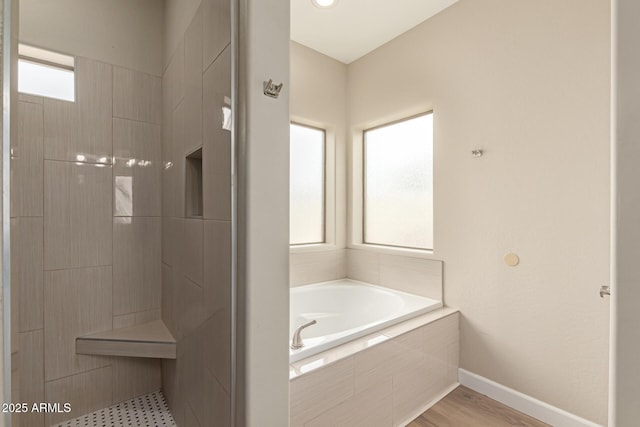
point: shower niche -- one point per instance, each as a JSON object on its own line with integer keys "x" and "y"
{"x": 193, "y": 180}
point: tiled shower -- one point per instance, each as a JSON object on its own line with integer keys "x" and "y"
{"x": 121, "y": 215}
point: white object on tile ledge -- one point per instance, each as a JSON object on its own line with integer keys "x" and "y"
{"x": 150, "y": 410}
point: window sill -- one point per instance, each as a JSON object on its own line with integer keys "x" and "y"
{"x": 314, "y": 247}
{"x": 390, "y": 250}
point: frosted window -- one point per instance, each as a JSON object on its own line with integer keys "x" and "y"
{"x": 46, "y": 80}
{"x": 398, "y": 184}
{"x": 306, "y": 185}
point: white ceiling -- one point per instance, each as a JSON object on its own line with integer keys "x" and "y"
{"x": 353, "y": 28}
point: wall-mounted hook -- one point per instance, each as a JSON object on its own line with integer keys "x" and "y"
{"x": 272, "y": 90}
{"x": 477, "y": 153}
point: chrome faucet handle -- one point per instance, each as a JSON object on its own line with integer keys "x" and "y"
{"x": 296, "y": 341}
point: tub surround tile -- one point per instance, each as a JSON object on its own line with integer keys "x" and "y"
{"x": 136, "y": 150}
{"x": 369, "y": 408}
{"x": 315, "y": 267}
{"x": 216, "y": 151}
{"x": 317, "y": 392}
{"x": 136, "y": 96}
{"x": 363, "y": 266}
{"x": 193, "y": 84}
{"x": 418, "y": 276}
{"x": 27, "y": 272}
{"x": 216, "y": 18}
{"x": 81, "y": 131}
{"x": 416, "y": 322}
{"x": 136, "y": 264}
{"x": 390, "y": 382}
{"x": 76, "y": 302}
{"x": 31, "y": 378}
{"x": 86, "y": 392}
{"x": 26, "y": 162}
{"x": 78, "y": 215}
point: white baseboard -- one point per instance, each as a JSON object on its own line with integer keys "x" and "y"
{"x": 521, "y": 402}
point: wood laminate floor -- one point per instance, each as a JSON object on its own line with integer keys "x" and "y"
{"x": 466, "y": 408}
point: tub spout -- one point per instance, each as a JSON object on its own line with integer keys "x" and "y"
{"x": 296, "y": 341}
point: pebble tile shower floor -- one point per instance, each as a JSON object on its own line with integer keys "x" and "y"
{"x": 150, "y": 410}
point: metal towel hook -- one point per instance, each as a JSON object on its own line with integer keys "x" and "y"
{"x": 272, "y": 90}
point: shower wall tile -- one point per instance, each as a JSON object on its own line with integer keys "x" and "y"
{"x": 133, "y": 319}
{"x": 216, "y": 152}
{"x": 134, "y": 377}
{"x": 190, "y": 307}
{"x": 82, "y": 131}
{"x": 76, "y": 302}
{"x": 316, "y": 267}
{"x": 175, "y": 73}
{"x": 191, "y": 369}
{"x": 217, "y": 400}
{"x": 218, "y": 347}
{"x": 31, "y": 365}
{"x": 173, "y": 234}
{"x": 137, "y": 153}
{"x": 86, "y": 392}
{"x": 216, "y": 18}
{"x": 193, "y": 84}
{"x": 137, "y": 96}
{"x": 26, "y": 162}
{"x": 167, "y": 298}
{"x": 78, "y": 215}
{"x": 192, "y": 251}
{"x": 136, "y": 264}
{"x": 167, "y": 154}
{"x": 363, "y": 266}
{"x": 217, "y": 268}
{"x": 27, "y": 273}
{"x": 418, "y": 276}
{"x": 23, "y": 97}
{"x": 178, "y": 161}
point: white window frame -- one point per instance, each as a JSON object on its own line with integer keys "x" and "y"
{"x": 52, "y": 59}
{"x": 355, "y": 224}
{"x": 330, "y": 237}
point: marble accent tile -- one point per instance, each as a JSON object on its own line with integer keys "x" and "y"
{"x": 363, "y": 266}
{"x": 417, "y": 276}
{"x": 192, "y": 251}
{"x": 27, "y": 271}
{"x": 31, "y": 367}
{"x": 136, "y": 264}
{"x": 137, "y": 96}
{"x": 134, "y": 376}
{"x": 78, "y": 215}
{"x": 193, "y": 84}
{"x": 217, "y": 266}
{"x": 82, "y": 131}
{"x": 314, "y": 267}
{"x": 26, "y": 162}
{"x": 317, "y": 392}
{"x": 76, "y": 302}
{"x": 86, "y": 392}
{"x": 216, "y": 18}
{"x": 216, "y": 151}
{"x": 136, "y": 149}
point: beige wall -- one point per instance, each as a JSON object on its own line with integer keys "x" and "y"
{"x": 527, "y": 82}
{"x": 196, "y": 250}
{"x": 319, "y": 98}
{"x": 120, "y": 32}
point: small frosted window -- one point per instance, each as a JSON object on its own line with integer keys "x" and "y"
{"x": 398, "y": 184}
{"x": 45, "y": 73}
{"x": 306, "y": 185}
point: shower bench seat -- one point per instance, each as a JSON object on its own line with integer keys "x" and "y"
{"x": 152, "y": 340}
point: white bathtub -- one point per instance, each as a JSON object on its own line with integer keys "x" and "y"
{"x": 346, "y": 310}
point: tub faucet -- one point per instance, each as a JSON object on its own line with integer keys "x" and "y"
{"x": 296, "y": 341}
